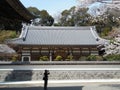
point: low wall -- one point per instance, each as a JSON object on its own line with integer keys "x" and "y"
{"x": 33, "y": 75}
{"x": 61, "y": 63}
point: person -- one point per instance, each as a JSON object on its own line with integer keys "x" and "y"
{"x": 45, "y": 78}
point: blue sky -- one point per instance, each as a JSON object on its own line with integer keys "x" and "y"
{"x": 52, "y": 6}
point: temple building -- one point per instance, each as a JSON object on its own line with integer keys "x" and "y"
{"x": 37, "y": 41}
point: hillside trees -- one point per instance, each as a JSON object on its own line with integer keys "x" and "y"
{"x": 34, "y": 10}
{"x": 105, "y": 22}
{"x": 11, "y": 25}
{"x": 43, "y": 15}
{"x": 46, "y": 19}
{"x": 7, "y": 34}
{"x": 75, "y": 17}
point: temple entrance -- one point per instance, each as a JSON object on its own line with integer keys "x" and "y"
{"x": 26, "y": 58}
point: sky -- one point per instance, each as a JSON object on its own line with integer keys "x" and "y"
{"x": 53, "y": 7}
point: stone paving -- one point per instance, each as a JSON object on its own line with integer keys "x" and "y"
{"x": 72, "y": 73}
{"x": 29, "y": 75}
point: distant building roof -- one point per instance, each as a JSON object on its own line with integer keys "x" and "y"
{"x": 35, "y": 35}
{"x": 5, "y": 49}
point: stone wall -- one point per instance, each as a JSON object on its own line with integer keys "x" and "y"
{"x": 28, "y": 75}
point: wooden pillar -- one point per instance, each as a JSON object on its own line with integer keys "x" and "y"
{"x": 80, "y": 52}
{"x": 70, "y": 53}
{"x": 30, "y": 53}
{"x": 89, "y": 51}
{"x": 50, "y": 55}
{"x": 20, "y": 52}
{"x": 40, "y": 52}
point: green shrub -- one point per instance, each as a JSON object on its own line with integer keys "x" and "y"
{"x": 91, "y": 58}
{"x": 14, "y": 58}
{"x": 94, "y": 58}
{"x": 105, "y": 31}
{"x": 69, "y": 58}
{"x": 113, "y": 57}
{"x": 7, "y": 34}
{"x": 1, "y": 58}
{"x": 99, "y": 58}
{"x": 83, "y": 58}
{"x": 58, "y": 58}
{"x": 44, "y": 58}
{"x": 13, "y": 35}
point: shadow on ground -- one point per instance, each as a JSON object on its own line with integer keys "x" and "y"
{"x": 117, "y": 86}
{"x": 19, "y": 75}
{"x": 49, "y": 88}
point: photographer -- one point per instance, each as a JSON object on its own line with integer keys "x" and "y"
{"x": 45, "y": 78}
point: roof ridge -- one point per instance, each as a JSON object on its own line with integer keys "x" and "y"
{"x": 24, "y": 32}
{"x": 59, "y": 28}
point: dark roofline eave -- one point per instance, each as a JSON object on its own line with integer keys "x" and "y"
{"x": 21, "y": 10}
{"x": 31, "y": 45}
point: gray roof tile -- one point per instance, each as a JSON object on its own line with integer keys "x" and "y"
{"x": 59, "y": 36}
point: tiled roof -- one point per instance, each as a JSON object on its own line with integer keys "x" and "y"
{"x": 37, "y": 35}
{"x": 6, "y": 49}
